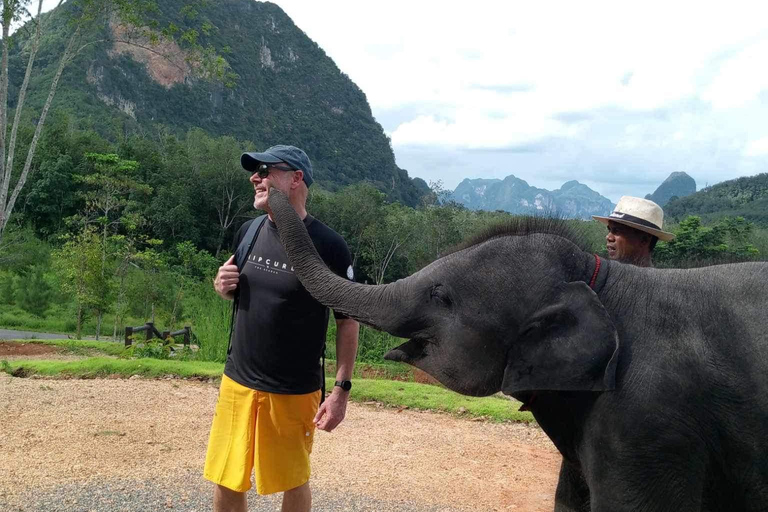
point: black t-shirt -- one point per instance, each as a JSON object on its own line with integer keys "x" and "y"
{"x": 280, "y": 329}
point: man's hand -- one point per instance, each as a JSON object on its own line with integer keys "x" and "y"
{"x": 227, "y": 279}
{"x": 333, "y": 410}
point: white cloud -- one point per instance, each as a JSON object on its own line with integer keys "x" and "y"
{"x": 648, "y": 88}
{"x": 741, "y": 79}
{"x": 474, "y": 130}
{"x": 757, "y": 147}
{"x": 574, "y": 56}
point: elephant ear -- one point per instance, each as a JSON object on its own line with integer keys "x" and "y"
{"x": 569, "y": 344}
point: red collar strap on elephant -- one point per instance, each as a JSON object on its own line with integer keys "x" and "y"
{"x": 594, "y": 274}
{"x": 526, "y": 405}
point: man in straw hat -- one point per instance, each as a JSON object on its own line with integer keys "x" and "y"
{"x": 634, "y": 227}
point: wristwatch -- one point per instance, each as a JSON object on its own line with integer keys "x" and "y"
{"x": 346, "y": 385}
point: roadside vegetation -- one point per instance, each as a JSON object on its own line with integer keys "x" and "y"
{"x": 380, "y": 385}
{"x": 113, "y": 234}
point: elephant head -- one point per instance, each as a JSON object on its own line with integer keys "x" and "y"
{"x": 508, "y": 313}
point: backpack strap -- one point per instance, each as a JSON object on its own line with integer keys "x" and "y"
{"x": 246, "y": 244}
{"x": 241, "y": 255}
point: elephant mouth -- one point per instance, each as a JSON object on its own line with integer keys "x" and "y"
{"x": 409, "y": 352}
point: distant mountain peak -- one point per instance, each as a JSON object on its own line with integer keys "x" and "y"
{"x": 678, "y": 184}
{"x": 514, "y": 195}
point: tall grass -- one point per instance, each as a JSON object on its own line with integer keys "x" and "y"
{"x": 210, "y": 316}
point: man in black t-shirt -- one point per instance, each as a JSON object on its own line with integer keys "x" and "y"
{"x": 268, "y": 404}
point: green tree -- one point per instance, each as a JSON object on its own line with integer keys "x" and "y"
{"x": 383, "y": 239}
{"x": 78, "y": 264}
{"x": 86, "y": 19}
{"x": 153, "y": 264}
{"x": 112, "y": 185}
{"x": 191, "y": 265}
{"x": 216, "y": 162}
{"x": 21, "y": 249}
{"x": 727, "y": 239}
{"x": 7, "y": 288}
{"x": 350, "y": 212}
{"x": 34, "y": 296}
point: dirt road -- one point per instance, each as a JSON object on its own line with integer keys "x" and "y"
{"x": 140, "y": 445}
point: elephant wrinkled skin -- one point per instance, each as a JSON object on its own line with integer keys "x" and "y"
{"x": 653, "y": 385}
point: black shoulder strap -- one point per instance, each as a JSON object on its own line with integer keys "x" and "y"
{"x": 246, "y": 244}
{"x": 241, "y": 255}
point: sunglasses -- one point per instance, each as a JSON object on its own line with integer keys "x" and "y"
{"x": 263, "y": 170}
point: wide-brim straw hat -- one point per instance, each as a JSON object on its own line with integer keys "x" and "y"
{"x": 641, "y": 214}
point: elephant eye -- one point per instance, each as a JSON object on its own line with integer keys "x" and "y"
{"x": 439, "y": 293}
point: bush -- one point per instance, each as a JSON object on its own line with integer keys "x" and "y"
{"x": 7, "y": 288}
{"x": 35, "y": 295}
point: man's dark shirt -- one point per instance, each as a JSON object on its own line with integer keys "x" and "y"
{"x": 280, "y": 329}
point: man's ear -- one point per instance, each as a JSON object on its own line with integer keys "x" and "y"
{"x": 569, "y": 344}
{"x": 298, "y": 178}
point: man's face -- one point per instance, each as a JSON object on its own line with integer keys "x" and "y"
{"x": 625, "y": 243}
{"x": 278, "y": 177}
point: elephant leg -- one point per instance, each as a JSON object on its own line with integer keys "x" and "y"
{"x": 572, "y": 493}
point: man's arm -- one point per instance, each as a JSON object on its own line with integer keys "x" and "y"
{"x": 333, "y": 410}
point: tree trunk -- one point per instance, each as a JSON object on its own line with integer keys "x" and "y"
{"x": 79, "y": 321}
{"x": 98, "y": 325}
{"x": 5, "y": 174}
{"x": 23, "y": 96}
{"x": 35, "y": 138}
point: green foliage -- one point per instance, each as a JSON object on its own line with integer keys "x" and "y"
{"x": 371, "y": 347}
{"x": 20, "y": 250}
{"x": 301, "y": 98}
{"x": 155, "y": 348}
{"x": 79, "y": 264}
{"x": 35, "y": 293}
{"x": 7, "y": 288}
{"x": 726, "y": 240}
{"x": 743, "y": 197}
{"x": 210, "y": 316}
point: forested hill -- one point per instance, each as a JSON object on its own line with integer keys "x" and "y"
{"x": 287, "y": 91}
{"x": 742, "y": 197}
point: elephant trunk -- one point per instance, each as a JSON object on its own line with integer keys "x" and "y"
{"x": 373, "y": 305}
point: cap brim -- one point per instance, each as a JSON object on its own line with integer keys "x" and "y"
{"x": 250, "y": 161}
{"x": 664, "y": 236}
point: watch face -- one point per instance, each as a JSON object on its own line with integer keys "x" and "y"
{"x": 344, "y": 384}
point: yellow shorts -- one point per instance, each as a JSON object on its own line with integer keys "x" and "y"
{"x": 268, "y": 433}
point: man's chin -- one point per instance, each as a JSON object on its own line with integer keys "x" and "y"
{"x": 260, "y": 201}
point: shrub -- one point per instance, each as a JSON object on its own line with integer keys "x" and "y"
{"x": 7, "y": 288}
{"x": 35, "y": 295}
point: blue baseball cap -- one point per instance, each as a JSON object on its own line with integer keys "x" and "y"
{"x": 290, "y": 155}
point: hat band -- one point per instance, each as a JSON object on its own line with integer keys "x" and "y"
{"x": 632, "y": 218}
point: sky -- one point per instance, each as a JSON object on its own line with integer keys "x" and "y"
{"x": 616, "y": 95}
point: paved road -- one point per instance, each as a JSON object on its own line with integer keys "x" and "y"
{"x": 6, "y": 334}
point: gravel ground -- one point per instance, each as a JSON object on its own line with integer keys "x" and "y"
{"x": 112, "y": 445}
{"x": 151, "y": 496}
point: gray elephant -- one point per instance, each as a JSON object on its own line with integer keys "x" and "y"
{"x": 652, "y": 384}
